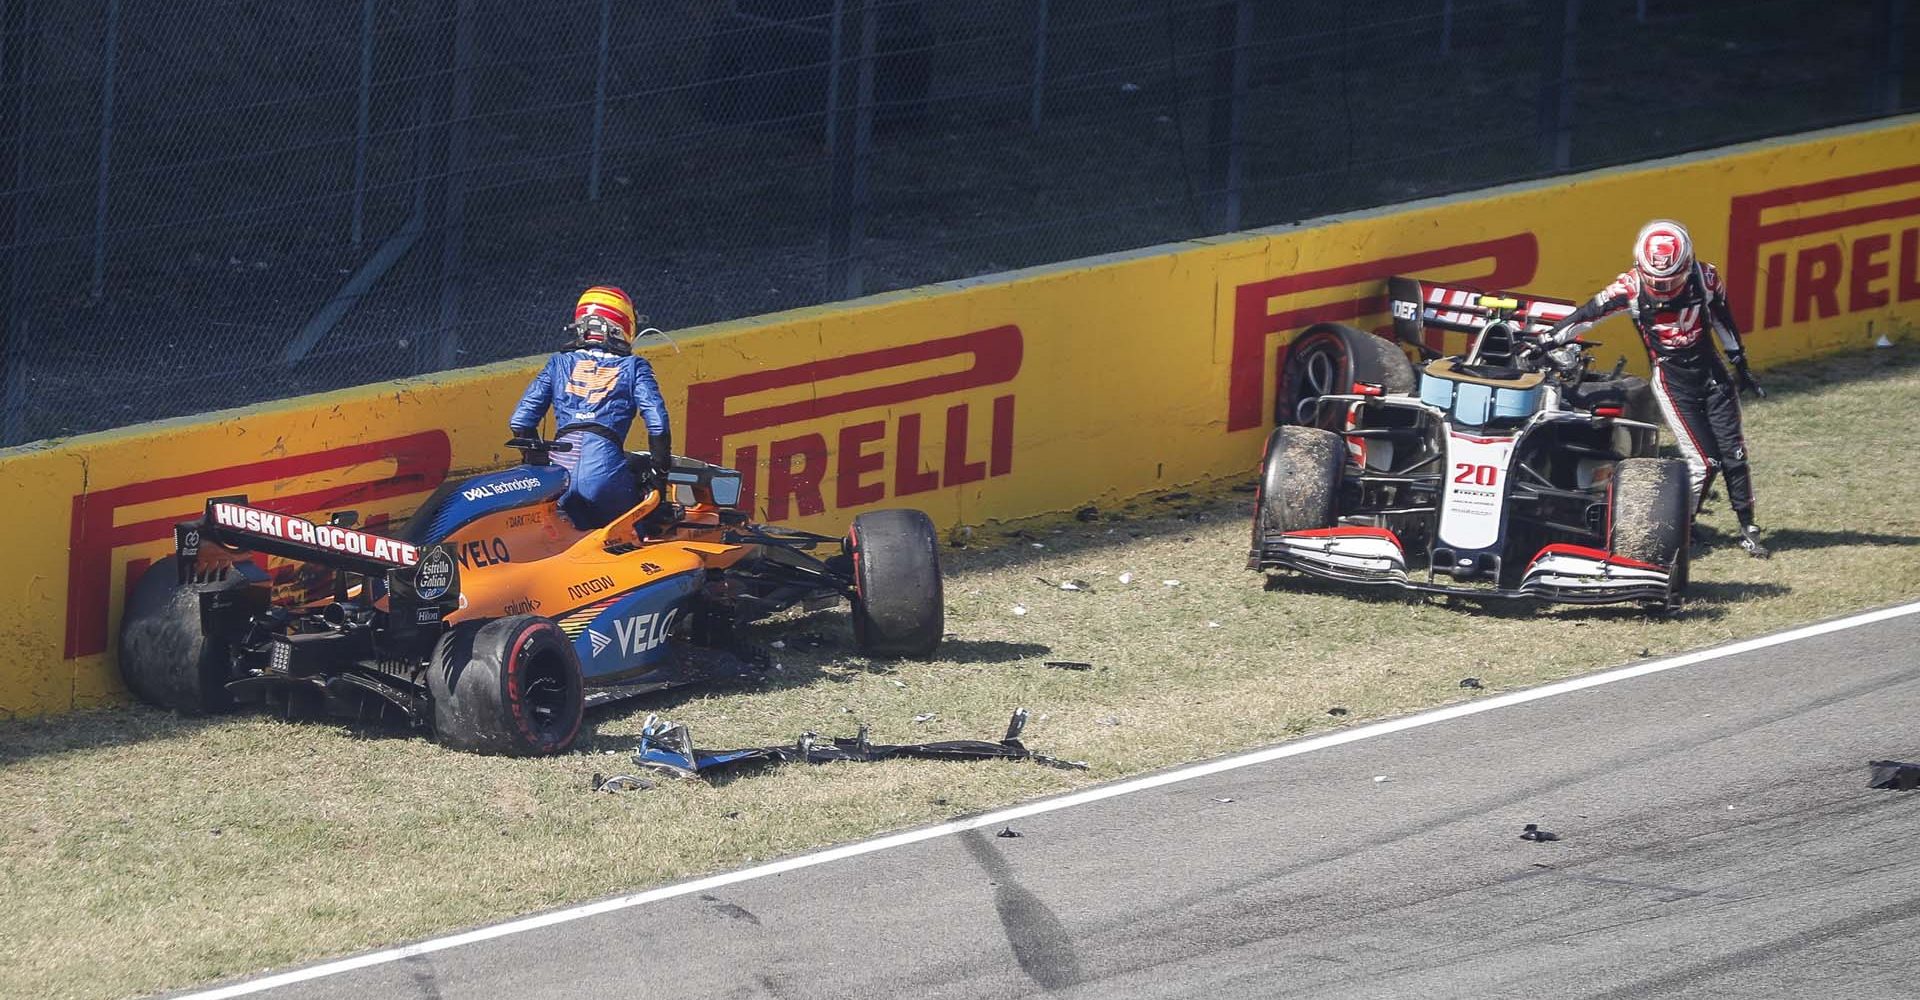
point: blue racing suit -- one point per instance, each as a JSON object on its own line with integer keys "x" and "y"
{"x": 594, "y": 395}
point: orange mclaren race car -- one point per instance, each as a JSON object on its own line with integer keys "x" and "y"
{"x": 492, "y": 619}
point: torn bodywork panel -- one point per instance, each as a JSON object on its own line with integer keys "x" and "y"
{"x": 667, "y": 747}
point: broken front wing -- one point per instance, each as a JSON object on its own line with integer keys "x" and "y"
{"x": 1569, "y": 574}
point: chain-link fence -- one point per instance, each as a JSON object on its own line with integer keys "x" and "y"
{"x": 214, "y": 202}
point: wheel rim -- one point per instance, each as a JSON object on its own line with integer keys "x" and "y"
{"x": 1318, "y": 372}
{"x": 547, "y": 693}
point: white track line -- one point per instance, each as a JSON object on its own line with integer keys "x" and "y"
{"x": 1068, "y": 801}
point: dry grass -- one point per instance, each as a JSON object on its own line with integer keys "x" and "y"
{"x": 142, "y": 852}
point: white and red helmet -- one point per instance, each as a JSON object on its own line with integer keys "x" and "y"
{"x": 1663, "y": 255}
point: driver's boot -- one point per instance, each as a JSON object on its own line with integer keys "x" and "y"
{"x": 1750, "y": 540}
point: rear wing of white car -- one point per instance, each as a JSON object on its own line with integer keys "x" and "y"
{"x": 1418, "y": 307}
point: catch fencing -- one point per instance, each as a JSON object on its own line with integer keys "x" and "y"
{"x": 214, "y": 202}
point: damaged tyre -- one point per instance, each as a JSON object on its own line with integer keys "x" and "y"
{"x": 898, "y": 605}
{"x": 1328, "y": 358}
{"x": 1649, "y": 521}
{"x": 166, "y": 657}
{"x": 1299, "y": 481}
{"x": 507, "y": 686}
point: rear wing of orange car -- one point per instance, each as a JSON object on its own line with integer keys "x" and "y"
{"x": 423, "y": 579}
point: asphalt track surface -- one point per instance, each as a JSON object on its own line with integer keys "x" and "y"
{"x": 1718, "y": 839}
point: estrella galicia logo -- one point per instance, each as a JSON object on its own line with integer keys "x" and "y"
{"x": 434, "y": 577}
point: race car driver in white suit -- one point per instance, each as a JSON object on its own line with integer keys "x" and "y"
{"x": 1675, "y": 301}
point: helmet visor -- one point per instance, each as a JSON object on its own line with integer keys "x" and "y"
{"x": 1664, "y": 288}
{"x": 598, "y": 330}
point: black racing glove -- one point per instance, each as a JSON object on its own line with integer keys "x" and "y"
{"x": 661, "y": 447}
{"x": 520, "y": 432}
{"x": 1743, "y": 376}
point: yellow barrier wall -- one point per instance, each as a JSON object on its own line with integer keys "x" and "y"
{"x": 981, "y": 400}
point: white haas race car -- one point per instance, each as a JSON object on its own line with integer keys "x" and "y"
{"x": 1495, "y": 473}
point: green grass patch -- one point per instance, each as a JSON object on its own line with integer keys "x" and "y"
{"x": 142, "y": 851}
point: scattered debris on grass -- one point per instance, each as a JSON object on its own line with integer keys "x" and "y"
{"x": 1067, "y": 664}
{"x": 1126, "y": 578}
{"x": 1895, "y": 775}
{"x": 1337, "y": 710}
{"x": 1171, "y": 583}
{"x": 1020, "y": 609}
{"x": 1533, "y": 832}
{"x": 620, "y": 783}
{"x": 667, "y": 748}
{"x": 925, "y": 717}
{"x": 1472, "y": 683}
{"x": 1007, "y": 831}
{"x": 1087, "y": 513}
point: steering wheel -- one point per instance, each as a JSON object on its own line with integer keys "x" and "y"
{"x": 535, "y": 451}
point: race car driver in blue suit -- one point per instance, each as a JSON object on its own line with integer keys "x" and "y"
{"x": 594, "y": 387}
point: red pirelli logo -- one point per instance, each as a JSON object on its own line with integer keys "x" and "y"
{"x": 404, "y": 466}
{"x": 872, "y": 459}
{"x": 1870, "y": 261}
{"x": 1510, "y": 262}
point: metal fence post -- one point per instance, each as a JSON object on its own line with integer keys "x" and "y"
{"x": 833, "y": 72}
{"x": 848, "y": 195}
{"x": 1889, "y": 24}
{"x": 599, "y": 101}
{"x": 1226, "y": 134}
{"x": 453, "y": 219}
{"x": 1562, "y": 19}
{"x": 16, "y": 42}
{"x": 1040, "y": 28}
{"x": 361, "y": 122}
{"x": 110, "y": 60}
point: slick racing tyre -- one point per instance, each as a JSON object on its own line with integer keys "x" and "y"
{"x": 898, "y": 607}
{"x": 166, "y": 657}
{"x": 507, "y": 686}
{"x": 1299, "y": 481}
{"x": 1328, "y": 359}
{"x": 1649, "y": 519}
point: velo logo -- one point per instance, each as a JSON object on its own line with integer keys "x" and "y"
{"x": 635, "y": 635}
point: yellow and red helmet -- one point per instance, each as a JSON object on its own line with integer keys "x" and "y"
{"x": 604, "y": 318}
